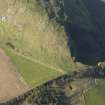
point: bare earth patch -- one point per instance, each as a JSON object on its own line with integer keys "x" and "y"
{"x": 11, "y": 82}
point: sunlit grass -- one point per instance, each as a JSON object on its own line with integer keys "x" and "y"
{"x": 33, "y": 73}
{"x": 31, "y": 32}
{"x": 96, "y": 96}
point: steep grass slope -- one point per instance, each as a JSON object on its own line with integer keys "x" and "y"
{"x": 96, "y": 96}
{"x": 25, "y": 29}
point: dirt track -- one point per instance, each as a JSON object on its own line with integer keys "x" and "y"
{"x": 11, "y": 83}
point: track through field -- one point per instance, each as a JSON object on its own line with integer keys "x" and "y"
{"x": 39, "y": 62}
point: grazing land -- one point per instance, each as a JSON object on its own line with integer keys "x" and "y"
{"x": 96, "y": 96}
{"x": 34, "y": 72}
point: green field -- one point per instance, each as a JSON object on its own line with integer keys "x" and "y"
{"x": 34, "y": 73}
{"x": 96, "y": 96}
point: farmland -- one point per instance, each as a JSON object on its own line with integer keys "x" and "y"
{"x": 34, "y": 72}
{"x": 96, "y": 96}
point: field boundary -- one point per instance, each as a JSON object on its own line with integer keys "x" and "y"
{"x": 39, "y": 62}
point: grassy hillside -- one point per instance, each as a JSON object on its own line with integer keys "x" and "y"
{"x": 96, "y": 96}
{"x": 32, "y": 33}
{"x": 27, "y": 30}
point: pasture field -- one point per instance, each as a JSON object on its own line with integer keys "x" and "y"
{"x": 96, "y": 96}
{"x": 34, "y": 72}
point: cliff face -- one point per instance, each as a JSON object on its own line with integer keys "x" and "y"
{"x": 84, "y": 22}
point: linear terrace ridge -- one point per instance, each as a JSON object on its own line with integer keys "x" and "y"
{"x": 39, "y": 62}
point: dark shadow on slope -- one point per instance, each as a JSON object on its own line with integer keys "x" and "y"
{"x": 82, "y": 44}
{"x": 97, "y": 12}
{"x": 84, "y": 22}
{"x": 88, "y": 45}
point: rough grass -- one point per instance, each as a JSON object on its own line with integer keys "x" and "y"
{"x": 30, "y": 30}
{"x": 32, "y": 34}
{"x": 96, "y": 96}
